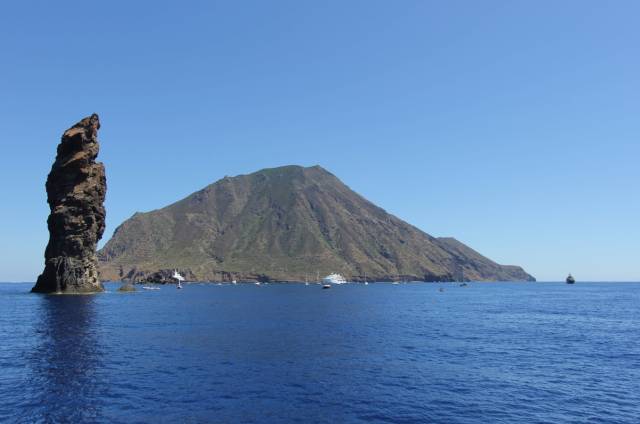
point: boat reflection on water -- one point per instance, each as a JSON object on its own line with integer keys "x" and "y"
{"x": 65, "y": 363}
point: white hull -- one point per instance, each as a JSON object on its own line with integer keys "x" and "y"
{"x": 334, "y": 279}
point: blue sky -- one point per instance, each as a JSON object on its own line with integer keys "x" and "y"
{"x": 510, "y": 125}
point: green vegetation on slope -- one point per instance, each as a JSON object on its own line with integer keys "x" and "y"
{"x": 287, "y": 224}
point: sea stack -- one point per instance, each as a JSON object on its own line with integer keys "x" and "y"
{"x": 76, "y": 188}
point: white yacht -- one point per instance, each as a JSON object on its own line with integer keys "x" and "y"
{"x": 178, "y": 277}
{"x": 334, "y": 279}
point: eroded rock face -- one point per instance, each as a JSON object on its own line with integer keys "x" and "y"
{"x": 76, "y": 188}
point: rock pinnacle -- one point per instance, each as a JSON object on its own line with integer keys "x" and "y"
{"x": 76, "y": 188}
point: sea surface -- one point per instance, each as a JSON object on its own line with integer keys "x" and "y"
{"x": 382, "y": 353}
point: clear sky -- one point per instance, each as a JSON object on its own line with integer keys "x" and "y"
{"x": 510, "y": 125}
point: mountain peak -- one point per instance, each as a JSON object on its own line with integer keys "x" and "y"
{"x": 286, "y": 223}
{"x": 294, "y": 170}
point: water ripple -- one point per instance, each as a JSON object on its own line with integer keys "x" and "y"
{"x": 499, "y": 353}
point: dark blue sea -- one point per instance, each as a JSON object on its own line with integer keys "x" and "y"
{"x": 382, "y": 353}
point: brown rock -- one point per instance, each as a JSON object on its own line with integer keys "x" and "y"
{"x": 76, "y": 188}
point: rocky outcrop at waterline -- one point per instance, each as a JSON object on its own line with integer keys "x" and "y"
{"x": 127, "y": 288}
{"x": 76, "y": 188}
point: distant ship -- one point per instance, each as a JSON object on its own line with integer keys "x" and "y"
{"x": 334, "y": 279}
{"x": 570, "y": 279}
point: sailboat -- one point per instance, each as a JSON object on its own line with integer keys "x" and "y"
{"x": 178, "y": 277}
{"x": 325, "y": 285}
{"x": 365, "y": 279}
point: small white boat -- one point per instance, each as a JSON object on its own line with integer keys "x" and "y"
{"x": 178, "y": 277}
{"x": 234, "y": 282}
{"x": 395, "y": 283}
{"x": 150, "y": 288}
{"x": 257, "y": 283}
{"x": 334, "y": 279}
{"x": 326, "y": 286}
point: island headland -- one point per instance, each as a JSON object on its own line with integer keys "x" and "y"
{"x": 76, "y": 189}
{"x": 290, "y": 223}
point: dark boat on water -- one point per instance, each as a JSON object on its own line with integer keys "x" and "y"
{"x": 570, "y": 279}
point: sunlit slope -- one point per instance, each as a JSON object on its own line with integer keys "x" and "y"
{"x": 287, "y": 223}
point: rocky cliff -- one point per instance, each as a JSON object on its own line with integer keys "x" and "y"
{"x": 76, "y": 188}
{"x": 286, "y": 224}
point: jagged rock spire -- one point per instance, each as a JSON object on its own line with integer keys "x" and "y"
{"x": 76, "y": 188}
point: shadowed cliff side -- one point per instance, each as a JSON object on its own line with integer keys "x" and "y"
{"x": 286, "y": 224}
{"x": 76, "y": 188}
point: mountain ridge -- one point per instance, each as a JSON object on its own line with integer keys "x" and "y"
{"x": 288, "y": 223}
